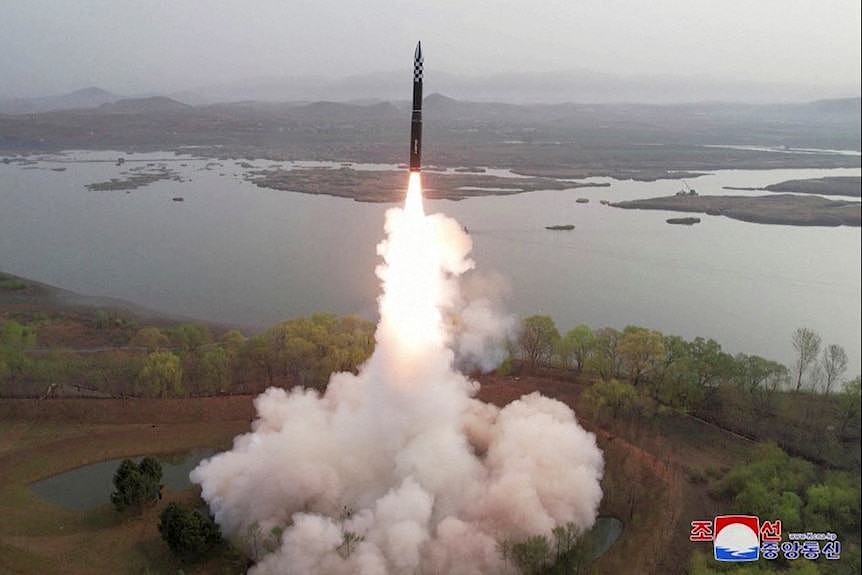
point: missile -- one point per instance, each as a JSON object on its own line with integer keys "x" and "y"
{"x": 416, "y": 117}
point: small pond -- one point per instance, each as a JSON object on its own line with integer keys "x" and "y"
{"x": 604, "y": 534}
{"x": 90, "y": 486}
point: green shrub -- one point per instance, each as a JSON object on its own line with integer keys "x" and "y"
{"x": 10, "y": 283}
{"x": 190, "y": 534}
{"x": 137, "y": 485}
{"x": 615, "y": 399}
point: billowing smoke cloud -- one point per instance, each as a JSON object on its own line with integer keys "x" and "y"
{"x": 399, "y": 469}
{"x": 479, "y": 327}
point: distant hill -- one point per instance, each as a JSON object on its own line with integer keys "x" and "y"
{"x": 562, "y": 140}
{"x": 91, "y": 97}
{"x": 578, "y": 85}
{"x": 152, "y": 104}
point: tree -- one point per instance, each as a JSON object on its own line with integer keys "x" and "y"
{"x": 161, "y": 374}
{"x": 834, "y": 365}
{"x": 772, "y": 485}
{"x": 531, "y": 556}
{"x": 564, "y": 350}
{"x": 833, "y": 505}
{"x": 759, "y": 377}
{"x": 232, "y": 342}
{"x": 300, "y": 344}
{"x": 309, "y": 350}
{"x": 299, "y": 356}
{"x": 16, "y": 336}
{"x": 641, "y": 351}
{"x": 103, "y": 319}
{"x": 806, "y": 342}
{"x": 702, "y": 564}
{"x": 151, "y": 338}
{"x": 14, "y": 339}
{"x": 580, "y": 340}
{"x": 573, "y": 549}
{"x": 606, "y": 356}
{"x": 709, "y": 362}
{"x": 151, "y": 468}
{"x": 675, "y": 380}
{"x": 613, "y": 397}
{"x": 214, "y": 369}
{"x": 754, "y": 372}
{"x": 537, "y": 339}
{"x": 258, "y": 352}
{"x": 850, "y": 405}
{"x": 189, "y": 534}
{"x": 191, "y": 336}
{"x": 137, "y": 485}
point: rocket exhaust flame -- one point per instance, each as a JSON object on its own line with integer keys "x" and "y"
{"x": 412, "y": 276}
{"x": 399, "y": 469}
{"x": 413, "y": 202}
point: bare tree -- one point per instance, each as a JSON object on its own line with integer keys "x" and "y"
{"x": 834, "y": 364}
{"x": 806, "y": 342}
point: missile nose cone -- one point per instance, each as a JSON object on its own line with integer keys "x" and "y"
{"x": 417, "y": 56}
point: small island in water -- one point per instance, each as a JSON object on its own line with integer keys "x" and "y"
{"x": 850, "y": 186}
{"x": 781, "y": 209}
{"x": 690, "y": 221}
{"x": 388, "y": 185}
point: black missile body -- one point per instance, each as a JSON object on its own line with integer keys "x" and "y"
{"x": 416, "y": 117}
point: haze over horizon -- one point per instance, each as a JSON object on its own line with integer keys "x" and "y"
{"x": 587, "y": 51}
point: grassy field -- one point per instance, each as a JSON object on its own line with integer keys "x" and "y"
{"x": 38, "y": 537}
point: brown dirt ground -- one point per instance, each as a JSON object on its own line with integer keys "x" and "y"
{"x": 645, "y": 480}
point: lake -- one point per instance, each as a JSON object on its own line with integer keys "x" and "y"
{"x": 238, "y": 254}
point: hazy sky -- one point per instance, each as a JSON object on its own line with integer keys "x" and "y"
{"x": 137, "y": 46}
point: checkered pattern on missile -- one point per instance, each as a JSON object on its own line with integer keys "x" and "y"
{"x": 417, "y": 70}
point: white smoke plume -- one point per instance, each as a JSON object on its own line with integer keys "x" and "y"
{"x": 479, "y": 327}
{"x": 399, "y": 469}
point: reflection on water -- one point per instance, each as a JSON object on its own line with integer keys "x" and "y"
{"x": 235, "y": 253}
{"x": 90, "y": 486}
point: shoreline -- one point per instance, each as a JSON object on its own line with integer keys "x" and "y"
{"x": 529, "y": 167}
{"x": 40, "y": 296}
{"x": 778, "y": 209}
{"x": 384, "y": 184}
{"x": 847, "y": 186}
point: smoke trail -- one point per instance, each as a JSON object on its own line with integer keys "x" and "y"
{"x": 399, "y": 469}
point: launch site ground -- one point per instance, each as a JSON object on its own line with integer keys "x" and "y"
{"x": 646, "y": 483}
{"x": 653, "y": 474}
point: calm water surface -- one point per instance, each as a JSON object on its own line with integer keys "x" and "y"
{"x": 235, "y": 253}
{"x": 90, "y": 486}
